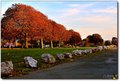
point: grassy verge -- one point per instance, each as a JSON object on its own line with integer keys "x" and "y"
{"x": 17, "y": 55}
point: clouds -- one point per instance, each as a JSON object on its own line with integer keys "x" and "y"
{"x": 89, "y": 18}
{"x": 74, "y": 9}
{"x": 111, "y": 10}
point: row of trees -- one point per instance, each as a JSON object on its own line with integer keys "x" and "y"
{"x": 97, "y": 40}
{"x": 27, "y": 24}
{"x": 114, "y": 41}
{"x": 93, "y": 40}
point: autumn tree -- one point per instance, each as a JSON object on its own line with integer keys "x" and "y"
{"x": 63, "y": 34}
{"x": 22, "y": 21}
{"x": 57, "y": 32}
{"x": 8, "y": 30}
{"x": 40, "y": 29}
{"x": 115, "y": 41}
{"x": 52, "y": 34}
{"x": 96, "y": 39}
{"x": 75, "y": 38}
{"x": 107, "y": 42}
{"x": 85, "y": 42}
{"x": 27, "y": 24}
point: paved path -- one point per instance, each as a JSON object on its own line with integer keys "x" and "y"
{"x": 79, "y": 69}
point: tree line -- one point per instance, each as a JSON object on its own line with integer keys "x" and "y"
{"x": 26, "y": 24}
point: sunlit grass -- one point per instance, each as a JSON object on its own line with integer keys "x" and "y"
{"x": 17, "y": 55}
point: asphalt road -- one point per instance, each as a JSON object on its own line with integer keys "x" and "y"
{"x": 80, "y": 69}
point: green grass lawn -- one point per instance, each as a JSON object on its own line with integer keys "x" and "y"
{"x": 91, "y": 66}
{"x": 17, "y": 55}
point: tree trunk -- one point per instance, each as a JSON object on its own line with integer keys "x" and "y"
{"x": 59, "y": 43}
{"x": 26, "y": 40}
{"x": 16, "y": 43}
{"x": 22, "y": 45}
{"x": 51, "y": 44}
{"x": 32, "y": 45}
{"x": 42, "y": 43}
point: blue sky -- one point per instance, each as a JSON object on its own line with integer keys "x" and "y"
{"x": 84, "y": 17}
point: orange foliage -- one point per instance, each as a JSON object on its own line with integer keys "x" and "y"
{"x": 21, "y": 19}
